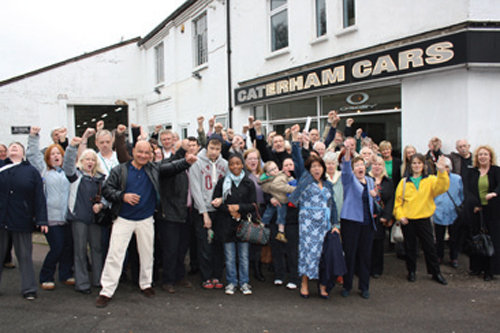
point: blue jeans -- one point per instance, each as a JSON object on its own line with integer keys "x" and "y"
{"x": 243, "y": 263}
{"x": 270, "y": 210}
{"x": 60, "y": 240}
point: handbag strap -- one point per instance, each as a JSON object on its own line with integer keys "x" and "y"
{"x": 481, "y": 221}
{"x": 454, "y": 204}
{"x": 256, "y": 210}
{"x": 404, "y": 188}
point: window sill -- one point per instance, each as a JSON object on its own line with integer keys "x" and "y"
{"x": 200, "y": 68}
{"x": 346, "y": 31}
{"x": 319, "y": 40}
{"x": 278, "y": 53}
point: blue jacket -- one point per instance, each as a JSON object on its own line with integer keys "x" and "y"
{"x": 353, "y": 194}
{"x": 445, "y": 213}
{"x": 21, "y": 197}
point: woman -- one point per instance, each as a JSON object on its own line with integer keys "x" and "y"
{"x": 234, "y": 197}
{"x": 383, "y": 194}
{"x": 445, "y": 215}
{"x": 22, "y": 201}
{"x": 392, "y": 164}
{"x": 408, "y": 152}
{"x": 85, "y": 179}
{"x": 357, "y": 223}
{"x": 414, "y": 205}
{"x": 333, "y": 176}
{"x": 317, "y": 215}
{"x": 482, "y": 190}
{"x": 253, "y": 165}
{"x": 56, "y": 186}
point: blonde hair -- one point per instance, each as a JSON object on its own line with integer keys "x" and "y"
{"x": 404, "y": 165}
{"x": 385, "y": 145}
{"x": 97, "y": 167}
{"x": 378, "y": 159}
{"x": 258, "y": 170}
{"x": 492, "y": 155}
{"x": 267, "y": 164}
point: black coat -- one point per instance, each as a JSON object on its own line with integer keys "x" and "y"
{"x": 387, "y": 198}
{"x": 224, "y": 225}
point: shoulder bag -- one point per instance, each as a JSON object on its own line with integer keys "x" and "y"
{"x": 252, "y": 230}
{"x": 397, "y": 231}
{"x": 481, "y": 244}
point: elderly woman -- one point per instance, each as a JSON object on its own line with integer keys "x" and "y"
{"x": 414, "y": 205}
{"x": 482, "y": 197}
{"x": 57, "y": 193}
{"x": 357, "y": 223}
{"x": 333, "y": 176}
{"x": 317, "y": 215}
{"x": 85, "y": 179}
{"x": 445, "y": 214}
{"x": 21, "y": 200}
{"x": 392, "y": 164}
{"x": 383, "y": 195}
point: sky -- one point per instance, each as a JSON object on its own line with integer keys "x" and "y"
{"x": 35, "y": 34}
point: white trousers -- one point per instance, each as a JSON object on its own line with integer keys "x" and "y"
{"x": 121, "y": 233}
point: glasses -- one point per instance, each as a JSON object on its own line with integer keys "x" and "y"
{"x": 252, "y": 159}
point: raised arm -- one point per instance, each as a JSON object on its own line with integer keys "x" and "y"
{"x": 33, "y": 153}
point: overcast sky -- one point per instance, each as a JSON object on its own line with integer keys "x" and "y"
{"x": 35, "y": 34}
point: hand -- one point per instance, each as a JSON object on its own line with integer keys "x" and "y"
{"x": 234, "y": 211}
{"x": 131, "y": 198}
{"x": 88, "y": 133}
{"x": 477, "y": 209}
{"x": 373, "y": 193}
{"x": 200, "y": 120}
{"x": 258, "y": 127}
{"x": 158, "y": 128}
{"x": 97, "y": 207}
{"x": 295, "y": 132}
{"x": 359, "y": 131}
{"x": 349, "y": 122}
{"x": 217, "y": 202}
{"x": 207, "y": 222}
{"x": 336, "y": 230}
{"x": 35, "y": 130}
{"x": 288, "y": 132}
{"x": 245, "y": 129}
{"x": 336, "y": 120}
{"x": 275, "y": 202}
{"x": 100, "y": 125}
{"x": 218, "y": 128}
{"x": 144, "y": 135}
{"x": 121, "y": 129}
{"x": 251, "y": 119}
{"x": 134, "y": 125}
{"x": 76, "y": 141}
{"x": 63, "y": 133}
{"x": 441, "y": 164}
{"x": 190, "y": 158}
{"x": 211, "y": 122}
{"x": 305, "y": 139}
{"x": 490, "y": 196}
{"x": 44, "y": 229}
{"x": 404, "y": 221}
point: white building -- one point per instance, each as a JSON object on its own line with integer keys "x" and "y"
{"x": 404, "y": 71}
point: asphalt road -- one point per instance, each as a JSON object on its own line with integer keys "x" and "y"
{"x": 466, "y": 304}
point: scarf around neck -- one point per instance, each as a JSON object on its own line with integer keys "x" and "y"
{"x": 228, "y": 180}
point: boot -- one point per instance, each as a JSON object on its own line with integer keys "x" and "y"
{"x": 257, "y": 273}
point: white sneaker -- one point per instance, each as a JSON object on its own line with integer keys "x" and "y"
{"x": 246, "y": 289}
{"x": 291, "y": 286}
{"x": 278, "y": 282}
{"x": 230, "y": 289}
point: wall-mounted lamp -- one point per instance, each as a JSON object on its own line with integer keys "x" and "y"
{"x": 157, "y": 90}
{"x": 183, "y": 28}
{"x": 196, "y": 75}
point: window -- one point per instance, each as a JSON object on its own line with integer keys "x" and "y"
{"x": 201, "y": 40}
{"x": 320, "y": 18}
{"x": 279, "y": 24}
{"x": 159, "y": 64}
{"x": 349, "y": 14}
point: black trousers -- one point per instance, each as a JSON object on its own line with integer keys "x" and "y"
{"x": 440, "y": 231}
{"x": 290, "y": 250}
{"x": 210, "y": 255}
{"x": 174, "y": 240}
{"x": 421, "y": 228}
{"x": 377, "y": 260}
{"x": 357, "y": 242}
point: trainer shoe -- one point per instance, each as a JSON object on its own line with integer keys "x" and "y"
{"x": 207, "y": 284}
{"x": 217, "y": 284}
{"x": 69, "y": 282}
{"x": 278, "y": 282}
{"x": 291, "y": 286}
{"x": 30, "y": 296}
{"x": 48, "y": 285}
{"x": 230, "y": 289}
{"x": 246, "y": 289}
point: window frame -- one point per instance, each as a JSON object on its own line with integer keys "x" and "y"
{"x": 200, "y": 54}
{"x": 159, "y": 54}
{"x": 272, "y": 13}
{"x": 345, "y": 13}
{"x": 317, "y": 17}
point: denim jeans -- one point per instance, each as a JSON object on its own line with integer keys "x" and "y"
{"x": 60, "y": 240}
{"x": 270, "y": 210}
{"x": 243, "y": 263}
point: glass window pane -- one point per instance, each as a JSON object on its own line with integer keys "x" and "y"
{"x": 259, "y": 112}
{"x": 281, "y": 128}
{"x": 277, "y": 3}
{"x": 295, "y": 109}
{"x": 349, "y": 13}
{"x": 279, "y": 27}
{"x": 362, "y": 101}
{"x": 320, "y": 18}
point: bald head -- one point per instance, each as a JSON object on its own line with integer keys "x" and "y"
{"x": 142, "y": 153}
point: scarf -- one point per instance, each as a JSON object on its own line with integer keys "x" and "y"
{"x": 228, "y": 180}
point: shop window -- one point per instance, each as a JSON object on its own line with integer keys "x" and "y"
{"x": 159, "y": 64}
{"x": 320, "y": 12}
{"x": 279, "y": 24}
{"x": 200, "y": 40}
{"x": 348, "y": 13}
{"x": 259, "y": 112}
{"x": 293, "y": 109}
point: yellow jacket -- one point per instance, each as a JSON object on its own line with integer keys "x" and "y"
{"x": 419, "y": 204}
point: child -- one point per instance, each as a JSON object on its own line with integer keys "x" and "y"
{"x": 275, "y": 182}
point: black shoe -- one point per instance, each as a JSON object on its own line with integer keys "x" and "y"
{"x": 454, "y": 263}
{"x": 30, "y": 296}
{"x": 365, "y": 294}
{"x": 474, "y": 273}
{"x": 487, "y": 277}
{"x": 375, "y": 276}
{"x": 85, "y": 291}
{"x": 439, "y": 279}
{"x": 411, "y": 276}
{"x": 193, "y": 271}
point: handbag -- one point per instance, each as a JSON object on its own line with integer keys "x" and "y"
{"x": 397, "y": 229}
{"x": 253, "y": 231}
{"x": 481, "y": 244}
{"x": 105, "y": 217}
{"x": 458, "y": 208}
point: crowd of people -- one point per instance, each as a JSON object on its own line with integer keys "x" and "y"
{"x": 142, "y": 205}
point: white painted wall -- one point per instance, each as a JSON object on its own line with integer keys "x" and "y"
{"x": 45, "y": 99}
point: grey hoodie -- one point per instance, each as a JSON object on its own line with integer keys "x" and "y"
{"x": 201, "y": 182}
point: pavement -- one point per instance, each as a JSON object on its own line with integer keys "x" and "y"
{"x": 466, "y": 304}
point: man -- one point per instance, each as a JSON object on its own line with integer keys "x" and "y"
{"x": 320, "y": 148}
{"x": 277, "y": 153}
{"x": 314, "y": 136}
{"x": 367, "y": 155}
{"x": 203, "y": 177}
{"x": 133, "y": 187}
{"x": 462, "y": 160}
{"x": 433, "y": 154}
{"x": 167, "y": 142}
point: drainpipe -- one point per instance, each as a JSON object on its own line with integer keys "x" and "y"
{"x": 228, "y": 48}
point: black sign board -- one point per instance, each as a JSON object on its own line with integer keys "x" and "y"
{"x": 20, "y": 130}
